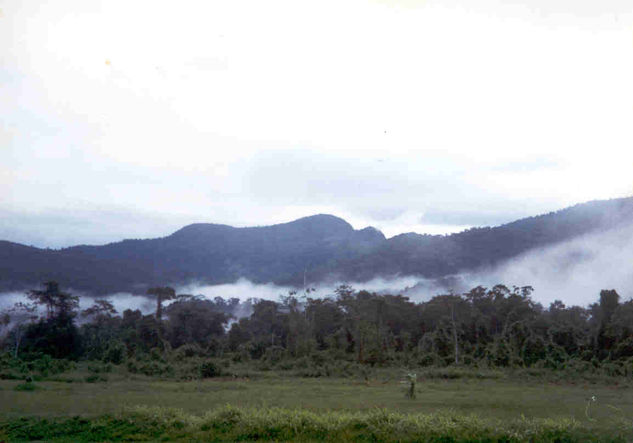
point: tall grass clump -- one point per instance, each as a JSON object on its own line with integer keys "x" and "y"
{"x": 233, "y": 423}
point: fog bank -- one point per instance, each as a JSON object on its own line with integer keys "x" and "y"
{"x": 574, "y": 271}
{"x": 244, "y": 289}
{"x": 120, "y": 300}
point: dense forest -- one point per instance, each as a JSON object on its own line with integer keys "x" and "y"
{"x": 321, "y": 248}
{"x": 492, "y": 327}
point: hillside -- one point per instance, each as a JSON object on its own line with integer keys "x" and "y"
{"x": 327, "y": 246}
{"x": 437, "y": 255}
{"x": 206, "y": 253}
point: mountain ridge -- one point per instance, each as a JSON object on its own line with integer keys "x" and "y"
{"x": 325, "y": 244}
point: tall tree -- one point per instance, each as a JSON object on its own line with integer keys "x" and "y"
{"x": 56, "y": 334}
{"x": 194, "y": 320}
{"x": 161, "y": 294}
{"x": 56, "y": 302}
{"x": 100, "y": 310}
{"x": 609, "y": 302}
{"x": 103, "y": 329}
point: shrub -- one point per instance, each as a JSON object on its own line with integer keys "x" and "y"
{"x": 243, "y": 353}
{"x": 189, "y": 350}
{"x": 430, "y": 359}
{"x": 94, "y": 378}
{"x": 273, "y": 355}
{"x": 209, "y": 369}
{"x": 26, "y": 386}
{"x": 98, "y": 369}
{"x": 132, "y": 366}
{"x": 8, "y": 375}
{"x": 156, "y": 354}
{"x": 115, "y": 353}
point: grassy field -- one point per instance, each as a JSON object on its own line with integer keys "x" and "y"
{"x": 495, "y": 400}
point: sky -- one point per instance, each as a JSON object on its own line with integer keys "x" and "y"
{"x": 124, "y": 119}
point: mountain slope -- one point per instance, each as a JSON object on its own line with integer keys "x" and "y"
{"x": 325, "y": 246}
{"x": 438, "y": 255}
{"x": 206, "y": 253}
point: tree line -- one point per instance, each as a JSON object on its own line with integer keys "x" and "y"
{"x": 499, "y": 326}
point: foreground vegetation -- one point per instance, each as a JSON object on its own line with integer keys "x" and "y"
{"x": 451, "y": 404}
{"x": 275, "y": 424}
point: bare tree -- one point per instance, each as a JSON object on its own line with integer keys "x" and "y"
{"x": 20, "y": 315}
{"x": 455, "y": 333}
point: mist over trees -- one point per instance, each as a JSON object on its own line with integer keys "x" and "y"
{"x": 499, "y": 326}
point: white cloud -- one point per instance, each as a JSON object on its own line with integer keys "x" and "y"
{"x": 167, "y": 107}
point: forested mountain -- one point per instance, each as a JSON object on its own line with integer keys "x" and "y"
{"x": 438, "y": 255}
{"x": 206, "y": 253}
{"x": 325, "y": 246}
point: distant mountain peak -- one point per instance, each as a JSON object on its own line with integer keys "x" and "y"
{"x": 327, "y": 220}
{"x": 371, "y": 233}
{"x": 198, "y": 227}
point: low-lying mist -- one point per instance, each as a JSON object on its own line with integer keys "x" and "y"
{"x": 573, "y": 272}
{"x": 244, "y": 289}
{"x": 120, "y": 300}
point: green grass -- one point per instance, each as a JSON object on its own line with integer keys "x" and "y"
{"x": 504, "y": 399}
{"x": 490, "y": 405}
{"x": 277, "y": 424}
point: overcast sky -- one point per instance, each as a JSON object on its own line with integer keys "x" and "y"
{"x": 130, "y": 119}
